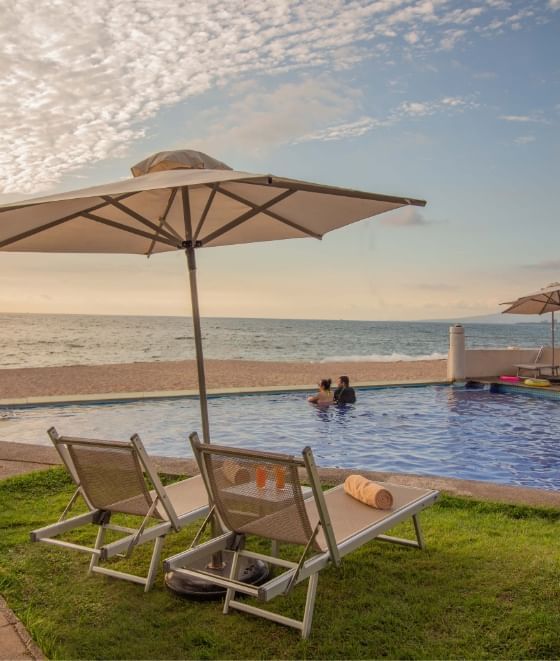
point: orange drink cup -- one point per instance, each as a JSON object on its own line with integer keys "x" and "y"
{"x": 261, "y": 477}
{"x": 280, "y": 473}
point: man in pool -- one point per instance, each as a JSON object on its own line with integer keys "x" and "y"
{"x": 344, "y": 394}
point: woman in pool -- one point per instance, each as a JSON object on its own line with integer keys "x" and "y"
{"x": 324, "y": 396}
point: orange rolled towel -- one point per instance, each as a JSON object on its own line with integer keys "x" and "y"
{"x": 368, "y": 492}
{"x": 235, "y": 473}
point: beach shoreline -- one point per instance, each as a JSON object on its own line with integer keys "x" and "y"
{"x": 182, "y": 375}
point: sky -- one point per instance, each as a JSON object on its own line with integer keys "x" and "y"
{"x": 457, "y": 103}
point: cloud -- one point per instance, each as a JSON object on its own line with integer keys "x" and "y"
{"x": 342, "y": 131}
{"x": 81, "y": 81}
{"x": 524, "y": 139}
{"x": 554, "y": 4}
{"x": 404, "y": 217}
{"x": 261, "y": 118}
{"x": 544, "y": 265}
{"x": 406, "y": 110}
{"x": 523, "y": 118}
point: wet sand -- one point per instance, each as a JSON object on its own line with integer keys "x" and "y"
{"x": 141, "y": 377}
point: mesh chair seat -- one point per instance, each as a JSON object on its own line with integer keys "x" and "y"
{"x": 260, "y": 493}
{"x": 117, "y": 477}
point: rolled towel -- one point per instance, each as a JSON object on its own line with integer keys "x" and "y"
{"x": 368, "y": 492}
{"x": 235, "y": 473}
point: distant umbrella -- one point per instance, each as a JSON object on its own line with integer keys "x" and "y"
{"x": 545, "y": 300}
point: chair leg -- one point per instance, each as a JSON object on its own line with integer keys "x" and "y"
{"x": 418, "y": 529}
{"x": 98, "y": 544}
{"x": 309, "y": 605}
{"x": 154, "y": 563}
{"x": 230, "y": 592}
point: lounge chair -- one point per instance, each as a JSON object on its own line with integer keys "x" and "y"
{"x": 328, "y": 525}
{"x": 537, "y": 368}
{"x": 111, "y": 477}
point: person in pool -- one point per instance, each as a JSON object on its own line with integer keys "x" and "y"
{"x": 344, "y": 394}
{"x": 324, "y": 396}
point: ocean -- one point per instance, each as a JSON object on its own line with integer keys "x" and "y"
{"x": 37, "y": 340}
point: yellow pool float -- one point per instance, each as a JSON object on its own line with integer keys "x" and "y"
{"x": 537, "y": 383}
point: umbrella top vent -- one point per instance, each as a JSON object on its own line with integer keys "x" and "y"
{"x": 180, "y": 159}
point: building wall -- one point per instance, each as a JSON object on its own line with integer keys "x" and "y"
{"x": 494, "y": 362}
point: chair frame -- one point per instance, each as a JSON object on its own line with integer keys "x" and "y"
{"x": 186, "y": 562}
{"x": 536, "y": 367}
{"x": 102, "y": 517}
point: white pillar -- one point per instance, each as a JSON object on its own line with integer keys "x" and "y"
{"x": 456, "y": 356}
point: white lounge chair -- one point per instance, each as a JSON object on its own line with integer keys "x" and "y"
{"x": 536, "y": 368}
{"x": 114, "y": 476}
{"x": 269, "y": 503}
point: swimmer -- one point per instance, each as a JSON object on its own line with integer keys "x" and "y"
{"x": 324, "y": 396}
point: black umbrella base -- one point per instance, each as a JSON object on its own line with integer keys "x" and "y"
{"x": 252, "y": 572}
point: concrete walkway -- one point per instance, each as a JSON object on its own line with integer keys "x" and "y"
{"x": 15, "y": 642}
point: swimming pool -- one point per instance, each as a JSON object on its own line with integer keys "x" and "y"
{"x": 438, "y": 430}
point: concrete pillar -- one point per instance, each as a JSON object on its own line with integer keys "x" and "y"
{"x": 456, "y": 356}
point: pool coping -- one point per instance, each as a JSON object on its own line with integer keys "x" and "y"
{"x": 30, "y": 458}
{"x": 91, "y": 398}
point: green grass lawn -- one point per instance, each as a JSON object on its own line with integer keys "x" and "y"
{"x": 488, "y": 586}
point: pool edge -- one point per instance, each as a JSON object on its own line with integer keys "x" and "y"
{"x": 212, "y": 392}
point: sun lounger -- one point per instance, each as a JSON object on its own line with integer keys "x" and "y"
{"x": 118, "y": 477}
{"x": 537, "y": 368}
{"x": 270, "y": 504}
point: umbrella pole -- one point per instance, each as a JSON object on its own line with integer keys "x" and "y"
{"x": 216, "y": 561}
{"x": 191, "y": 261}
{"x": 553, "y": 362}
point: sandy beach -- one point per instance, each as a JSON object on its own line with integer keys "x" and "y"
{"x": 139, "y": 377}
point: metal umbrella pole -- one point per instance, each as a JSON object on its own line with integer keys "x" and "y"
{"x": 191, "y": 261}
{"x": 553, "y": 362}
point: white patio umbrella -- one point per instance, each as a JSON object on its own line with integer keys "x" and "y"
{"x": 545, "y": 300}
{"x": 184, "y": 200}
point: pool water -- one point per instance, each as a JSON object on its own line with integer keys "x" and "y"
{"x": 432, "y": 430}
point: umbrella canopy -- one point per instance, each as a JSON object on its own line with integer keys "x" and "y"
{"x": 181, "y": 201}
{"x": 162, "y": 209}
{"x": 545, "y": 300}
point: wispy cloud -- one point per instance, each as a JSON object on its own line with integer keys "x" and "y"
{"x": 405, "y": 110}
{"x": 404, "y": 217}
{"x": 544, "y": 265}
{"x": 536, "y": 119}
{"x": 524, "y": 139}
{"x": 81, "y": 80}
{"x": 259, "y": 118}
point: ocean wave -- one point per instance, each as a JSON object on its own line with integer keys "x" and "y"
{"x": 383, "y": 358}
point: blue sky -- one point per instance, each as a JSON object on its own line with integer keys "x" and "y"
{"x": 454, "y": 102}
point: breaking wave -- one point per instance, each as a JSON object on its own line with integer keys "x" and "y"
{"x": 383, "y": 358}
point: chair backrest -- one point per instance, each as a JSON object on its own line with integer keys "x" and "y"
{"x": 257, "y": 492}
{"x": 110, "y": 474}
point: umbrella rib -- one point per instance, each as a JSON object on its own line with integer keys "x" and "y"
{"x": 51, "y": 224}
{"x": 273, "y": 214}
{"x": 139, "y": 218}
{"x": 163, "y": 221}
{"x": 206, "y": 210}
{"x": 126, "y": 228}
{"x": 187, "y": 213}
{"x": 332, "y": 190}
{"x": 16, "y": 207}
{"x": 255, "y": 210}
